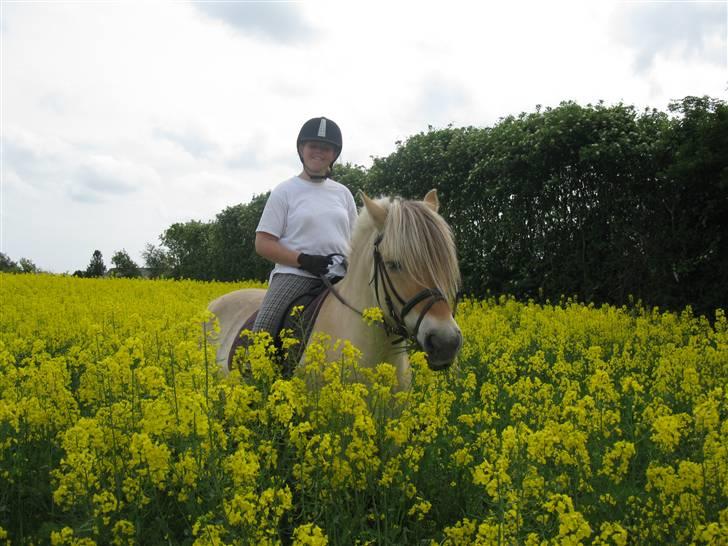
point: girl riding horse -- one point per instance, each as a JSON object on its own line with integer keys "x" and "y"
{"x": 306, "y": 219}
{"x": 403, "y": 260}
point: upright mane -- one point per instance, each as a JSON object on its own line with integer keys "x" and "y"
{"x": 417, "y": 238}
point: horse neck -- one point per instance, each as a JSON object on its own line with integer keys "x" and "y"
{"x": 355, "y": 287}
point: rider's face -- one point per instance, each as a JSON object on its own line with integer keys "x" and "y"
{"x": 317, "y": 156}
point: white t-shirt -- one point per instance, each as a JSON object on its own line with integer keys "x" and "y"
{"x": 310, "y": 217}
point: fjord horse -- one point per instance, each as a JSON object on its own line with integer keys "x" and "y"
{"x": 403, "y": 260}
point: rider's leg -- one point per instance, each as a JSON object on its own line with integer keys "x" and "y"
{"x": 283, "y": 289}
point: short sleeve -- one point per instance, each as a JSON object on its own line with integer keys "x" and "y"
{"x": 351, "y": 206}
{"x": 273, "y": 219}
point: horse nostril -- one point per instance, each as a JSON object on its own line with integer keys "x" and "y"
{"x": 443, "y": 344}
{"x": 429, "y": 342}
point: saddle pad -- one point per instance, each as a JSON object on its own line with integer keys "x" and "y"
{"x": 239, "y": 341}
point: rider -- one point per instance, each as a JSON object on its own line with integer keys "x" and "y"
{"x": 306, "y": 218}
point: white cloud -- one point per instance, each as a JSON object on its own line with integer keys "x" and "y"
{"x": 694, "y": 31}
{"x": 192, "y": 140}
{"x": 103, "y": 177}
{"x": 279, "y": 22}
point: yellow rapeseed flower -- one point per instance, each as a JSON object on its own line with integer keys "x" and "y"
{"x": 373, "y": 315}
{"x": 309, "y": 534}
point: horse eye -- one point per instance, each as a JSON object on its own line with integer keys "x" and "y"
{"x": 393, "y": 266}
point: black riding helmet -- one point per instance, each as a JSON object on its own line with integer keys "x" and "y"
{"x": 320, "y": 130}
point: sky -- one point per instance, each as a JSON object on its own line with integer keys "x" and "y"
{"x": 118, "y": 119}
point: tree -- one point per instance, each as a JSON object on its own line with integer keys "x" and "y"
{"x": 188, "y": 247}
{"x": 157, "y": 261}
{"x": 561, "y": 192}
{"x": 124, "y": 265}
{"x": 232, "y": 243}
{"x": 353, "y": 177}
{"x": 602, "y": 202}
{"x": 444, "y": 159}
{"x": 7, "y": 265}
{"x": 96, "y": 268}
{"x": 27, "y": 266}
{"x": 690, "y": 205}
{"x": 598, "y": 201}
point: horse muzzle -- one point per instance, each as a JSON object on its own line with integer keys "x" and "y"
{"x": 442, "y": 347}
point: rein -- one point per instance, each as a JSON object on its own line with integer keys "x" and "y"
{"x": 333, "y": 290}
{"x": 397, "y": 325}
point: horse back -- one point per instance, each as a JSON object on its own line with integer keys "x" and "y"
{"x": 232, "y": 310}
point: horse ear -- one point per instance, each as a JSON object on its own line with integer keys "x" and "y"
{"x": 431, "y": 200}
{"x": 377, "y": 212}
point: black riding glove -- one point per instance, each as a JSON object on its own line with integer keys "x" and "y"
{"x": 314, "y": 264}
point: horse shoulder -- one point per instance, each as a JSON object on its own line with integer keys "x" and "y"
{"x": 339, "y": 322}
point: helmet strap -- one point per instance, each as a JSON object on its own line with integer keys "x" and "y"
{"x": 313, "y": 176}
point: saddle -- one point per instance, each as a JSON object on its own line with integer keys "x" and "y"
{"x": 301, "y": 325}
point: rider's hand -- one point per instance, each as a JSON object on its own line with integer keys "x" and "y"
{"x": 314, "y": 264}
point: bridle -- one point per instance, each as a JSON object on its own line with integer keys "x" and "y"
{"x": 396, "y": 324}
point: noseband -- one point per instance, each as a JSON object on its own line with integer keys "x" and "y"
{"x": 397, "y": 325}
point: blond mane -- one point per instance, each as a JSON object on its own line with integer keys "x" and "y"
{"x": 417, "y": 238}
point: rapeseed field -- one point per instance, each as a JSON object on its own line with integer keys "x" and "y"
{"x": 560, "y": 424}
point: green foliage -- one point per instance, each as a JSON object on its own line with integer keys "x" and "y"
{"x": 603, "y": 202}
{"x": 598, "y": 201}
{"x": 223, "y": 249}
{"x": 124, "y": 265}
{"x": 97, "y": 267}
{"x": 25, "y": 265}
{"x": 188, "y": 250}
{"x": 233, "y": 242}
{"x": 442, "y": 159}
{"x": 7, "y": 265}
{"x": 692, "y": 206}
{"x": 157, "y": 262}
{"x": 353, "y": 177}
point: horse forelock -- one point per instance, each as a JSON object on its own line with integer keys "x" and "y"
{"x": 419, "y": 239}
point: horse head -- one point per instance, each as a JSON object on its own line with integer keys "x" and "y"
{"x": 409, "y": 251}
